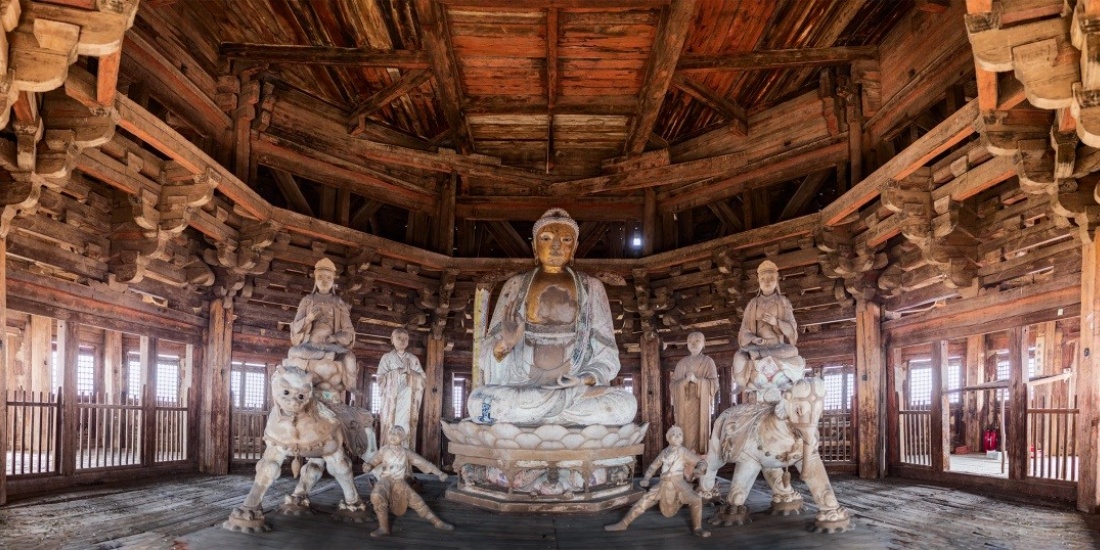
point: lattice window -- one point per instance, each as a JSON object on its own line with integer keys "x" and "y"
{"x": 254, "y": 385}
{"x": 55, "y": 371}
{"x": 168, "y": 379}
{"x": 954, "y": 382}
{"x": 458, "y": 396}
{"x": 248, "y": 385}
{"x": 920, "y": 386}
{"x": 85, "y": 371}
{"x": 133, "y": 375}
{"x": 375, "y": 395}
{"x": 235, "y": 397}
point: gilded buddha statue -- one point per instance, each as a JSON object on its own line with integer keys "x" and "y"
{"x": 550, "y": 352}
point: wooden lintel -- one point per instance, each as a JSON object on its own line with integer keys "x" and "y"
{"x": 401, "y": 86}
{"x": 324, "y": 55}
{"x": 667, "y": 45}
{"x": 778, "y": 59}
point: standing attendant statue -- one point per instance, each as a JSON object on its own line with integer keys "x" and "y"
{"x": 679, "y": 466}
{"x": 392, "y": 494}
{"x": 549, "y": 353}
{"x": 694, "y": 384}
{"x": 401, "y": 381}
{"x": 768, "y": 362}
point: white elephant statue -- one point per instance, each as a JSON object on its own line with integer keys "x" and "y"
{"x": 773, "y": 437}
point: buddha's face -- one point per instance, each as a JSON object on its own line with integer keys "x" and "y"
{"x": 554, "y": 245}
{"x": 324, "y": 279}
{"x": 695, "y": 343}
{"x": 769, "y": 281}
{"x": 400, "y": 340}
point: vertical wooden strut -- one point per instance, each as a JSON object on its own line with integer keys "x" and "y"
{"x": 1088, "y": 381}
{"x": 650, "y": 386}
{"x": 431, "y": 434}
{"x": 1016, "y": 436}
{"x": 941, "y": 420}
{"x": 214, "y": 453}
{"x": 68, "y": 344}
{"x": 4, "y": 368}
{"x": 148, "y": 362}
{"x": 870, "y": 387}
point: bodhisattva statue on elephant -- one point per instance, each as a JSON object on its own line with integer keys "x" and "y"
{"x": 773, "y": 437}
{"x": 303, "y": 427}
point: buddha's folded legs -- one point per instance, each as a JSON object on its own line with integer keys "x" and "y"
{"x": 526, "y": 405}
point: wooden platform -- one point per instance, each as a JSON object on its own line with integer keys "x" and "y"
{"x": 184, "y": 513}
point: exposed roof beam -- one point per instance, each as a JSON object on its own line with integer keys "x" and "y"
{"x": 436, "y": 37}
{"x": 590, "y": 235}
{"x": 551, "y": 82}
{"x": 325, "y": 55}
{"x": 509, "y": 239}
{"x": 588, "y": 105}
{"x": 727, "y": 216}
{"x": 671, "y": 32}
{"x": 291, "y": 191}
{"x": 778, "y": 59}
{"x": 531, "y": 208}
{"x": 558, "y": 4}
{"x": 806, "y": 190}
{"x": 364, "y": 213}
{"x": 730, "y": 110}
{"x": 407, "y": 83}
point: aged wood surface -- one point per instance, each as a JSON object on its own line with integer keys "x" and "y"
{"x": 887, "y": 514}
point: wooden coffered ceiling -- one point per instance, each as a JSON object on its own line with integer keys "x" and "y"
{"x": 715, "y": 116}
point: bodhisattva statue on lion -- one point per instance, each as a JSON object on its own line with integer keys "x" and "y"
{"x": 303, "y": 427}
{"x": 773, "y": 437}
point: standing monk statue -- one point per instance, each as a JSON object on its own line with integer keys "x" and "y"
{"x": 549, "y": 352}
{"x": 694, "y": 384}
{"x": 401, "y": 381}
{"x": 768, "y": 362}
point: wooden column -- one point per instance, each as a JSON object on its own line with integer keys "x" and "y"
{"x": 649, "y": 222}
{"x": 148, "y": 360}
{"x": 214, "y": 415}
{"x": 114, "y": 382}
{"x": 1016, "y": 422}
{"x": 870, "y": 389}
{"x": 68, "y": 345}
{"x": 974, "y": 374}
{"x": 482, "y": 293}
{"x": 40, "y": 333}
{"x": 894, "y": 383}
{"x": 445, "y": 216}
{"x": 430, "y": 432}
{"x": 650, "y": 386}
{"x": 941, "y": 420}
{"x": 1088, "y": 380}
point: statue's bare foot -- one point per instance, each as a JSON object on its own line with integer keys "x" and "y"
{"x": 355, "y": 512}
{"x": 618, "y": 526}
{"x": 701, "y": 533}
{"x": 246, "y": 520}
{"x": 832, "y": 521}
{"x": 295, "y": 506}
{"x": 379, "y": 533}
{"x": 731, "y": 515}
{"x": 787, "y": 507}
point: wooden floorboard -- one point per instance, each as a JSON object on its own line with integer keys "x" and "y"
{"x": 185, "y": 513}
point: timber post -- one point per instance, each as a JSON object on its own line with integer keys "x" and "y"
{"x": 1088, "y": 382}
{"x": 148, "y": 362}
{"x": 68, "y": 345}
{"x": 1016, "y": 423}
{"x": 431, "y": 434}
{"x": 870, "y": 389}
{"x": 941, "y": 408}
{"x": 650, "y": 386}
{"x": 215, "y": 414}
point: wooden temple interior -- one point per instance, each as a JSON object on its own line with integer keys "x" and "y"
{"x": 923, "y": 172}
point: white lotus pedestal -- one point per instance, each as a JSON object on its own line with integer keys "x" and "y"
{"x": 555, "y": 469}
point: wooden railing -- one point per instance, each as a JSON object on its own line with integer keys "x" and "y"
{"x": 1052, "y": 444}
{"x": 915, "y": 428}
{"x": 32, "y": 433}
{"x": 171, "y": 437}
{"x": 108, "y": 431}
{"x": 247, "y": 433}
{"x": 836, "y": 436}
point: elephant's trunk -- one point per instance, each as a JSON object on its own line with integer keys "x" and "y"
{"x": 714, "y": 461}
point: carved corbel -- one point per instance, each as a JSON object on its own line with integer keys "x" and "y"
{"x": 18, "y": 197}
{"x": 1040, "y": 52}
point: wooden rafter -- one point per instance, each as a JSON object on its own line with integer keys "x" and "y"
{"x": 551, "y": 82}
{"x": 500, "y": 207}
{"x": 509, "y": 239}
{"x": 324, "y": 55}
{"x": 778, "y": 59}
{"x": 725, "y": 214}
{"x": 671, "y": 32}
{"x": 730, "y": 110}
{"x": 407, "y": 83}
{"x": 803, "y": 194}
{"x": 558, "y": 4}
{"x": 365, "y": 213}
{"x": 288, "y": 186}
{"x": 590, "y": 235}
{"x": 585, "y": 105}
{"x": 437, "y": 43}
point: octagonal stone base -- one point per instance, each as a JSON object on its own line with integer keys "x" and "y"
{"x": 548, "y": 469}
